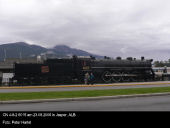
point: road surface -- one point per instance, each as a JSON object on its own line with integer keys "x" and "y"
{"x": 153, "y": 103}
{"x": 84, "y": 87}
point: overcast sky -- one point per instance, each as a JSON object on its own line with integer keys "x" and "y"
{"x": 105, "y": 27}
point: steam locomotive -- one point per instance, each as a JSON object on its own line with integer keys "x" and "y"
{"x": 72, "y": 70}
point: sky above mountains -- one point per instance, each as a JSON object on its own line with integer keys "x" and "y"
{"x": 104, "y": 27}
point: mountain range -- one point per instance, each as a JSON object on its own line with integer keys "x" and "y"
{"x": 25, "y": 50}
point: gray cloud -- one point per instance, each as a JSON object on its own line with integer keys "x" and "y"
{"x": 113, "y": 27}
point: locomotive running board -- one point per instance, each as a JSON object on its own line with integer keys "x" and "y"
{"x": 121, "y": 67}
{"x": 121, "y": 75}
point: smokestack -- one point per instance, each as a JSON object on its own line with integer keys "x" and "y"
{"x": 142, "y": 58}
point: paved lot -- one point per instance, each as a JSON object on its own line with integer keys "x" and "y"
{"x": 86, "y": 87}
{"x": 153, "y": 103}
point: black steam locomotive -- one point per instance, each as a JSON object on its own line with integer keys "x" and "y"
{"x": 72, "y": 70}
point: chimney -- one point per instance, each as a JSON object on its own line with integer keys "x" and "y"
{"x": 142, "y": 58}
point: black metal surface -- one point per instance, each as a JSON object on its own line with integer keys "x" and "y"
{"x": 54, "y": 71}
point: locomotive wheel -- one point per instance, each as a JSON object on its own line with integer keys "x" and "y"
{"x": 134, "y": 78}
{"x": 116, "y": 76}
{"x": 106, "y": 76}
{"x": 125, "y": 76}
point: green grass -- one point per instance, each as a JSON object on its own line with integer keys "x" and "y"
{"x": 86, "y": 93}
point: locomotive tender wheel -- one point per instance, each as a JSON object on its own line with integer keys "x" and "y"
{"x": 106, "y": 76}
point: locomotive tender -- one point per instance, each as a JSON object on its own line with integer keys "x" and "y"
{"x": 72, "y": 70}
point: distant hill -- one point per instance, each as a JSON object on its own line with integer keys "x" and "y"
{"x": 24, "y": 50}
{"x": 65, "y": 50}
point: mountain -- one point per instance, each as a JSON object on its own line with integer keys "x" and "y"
{"x": 65, "y": 50}
{"x": 19, "y": 49}
{"x": 24, "y": 50}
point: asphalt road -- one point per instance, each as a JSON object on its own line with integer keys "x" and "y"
{"x": 86, "y": 87}
{"x": 153, "y": 103}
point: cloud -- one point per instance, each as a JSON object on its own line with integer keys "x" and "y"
{"x": 113, "y": 27}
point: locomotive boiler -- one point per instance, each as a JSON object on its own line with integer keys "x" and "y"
{"x": 118, "y": 70}
{"x": 72, "y": 70}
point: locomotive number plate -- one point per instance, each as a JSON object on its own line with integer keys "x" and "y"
{"x": 44, "y": 69}
{"x": 86, "y": 68}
